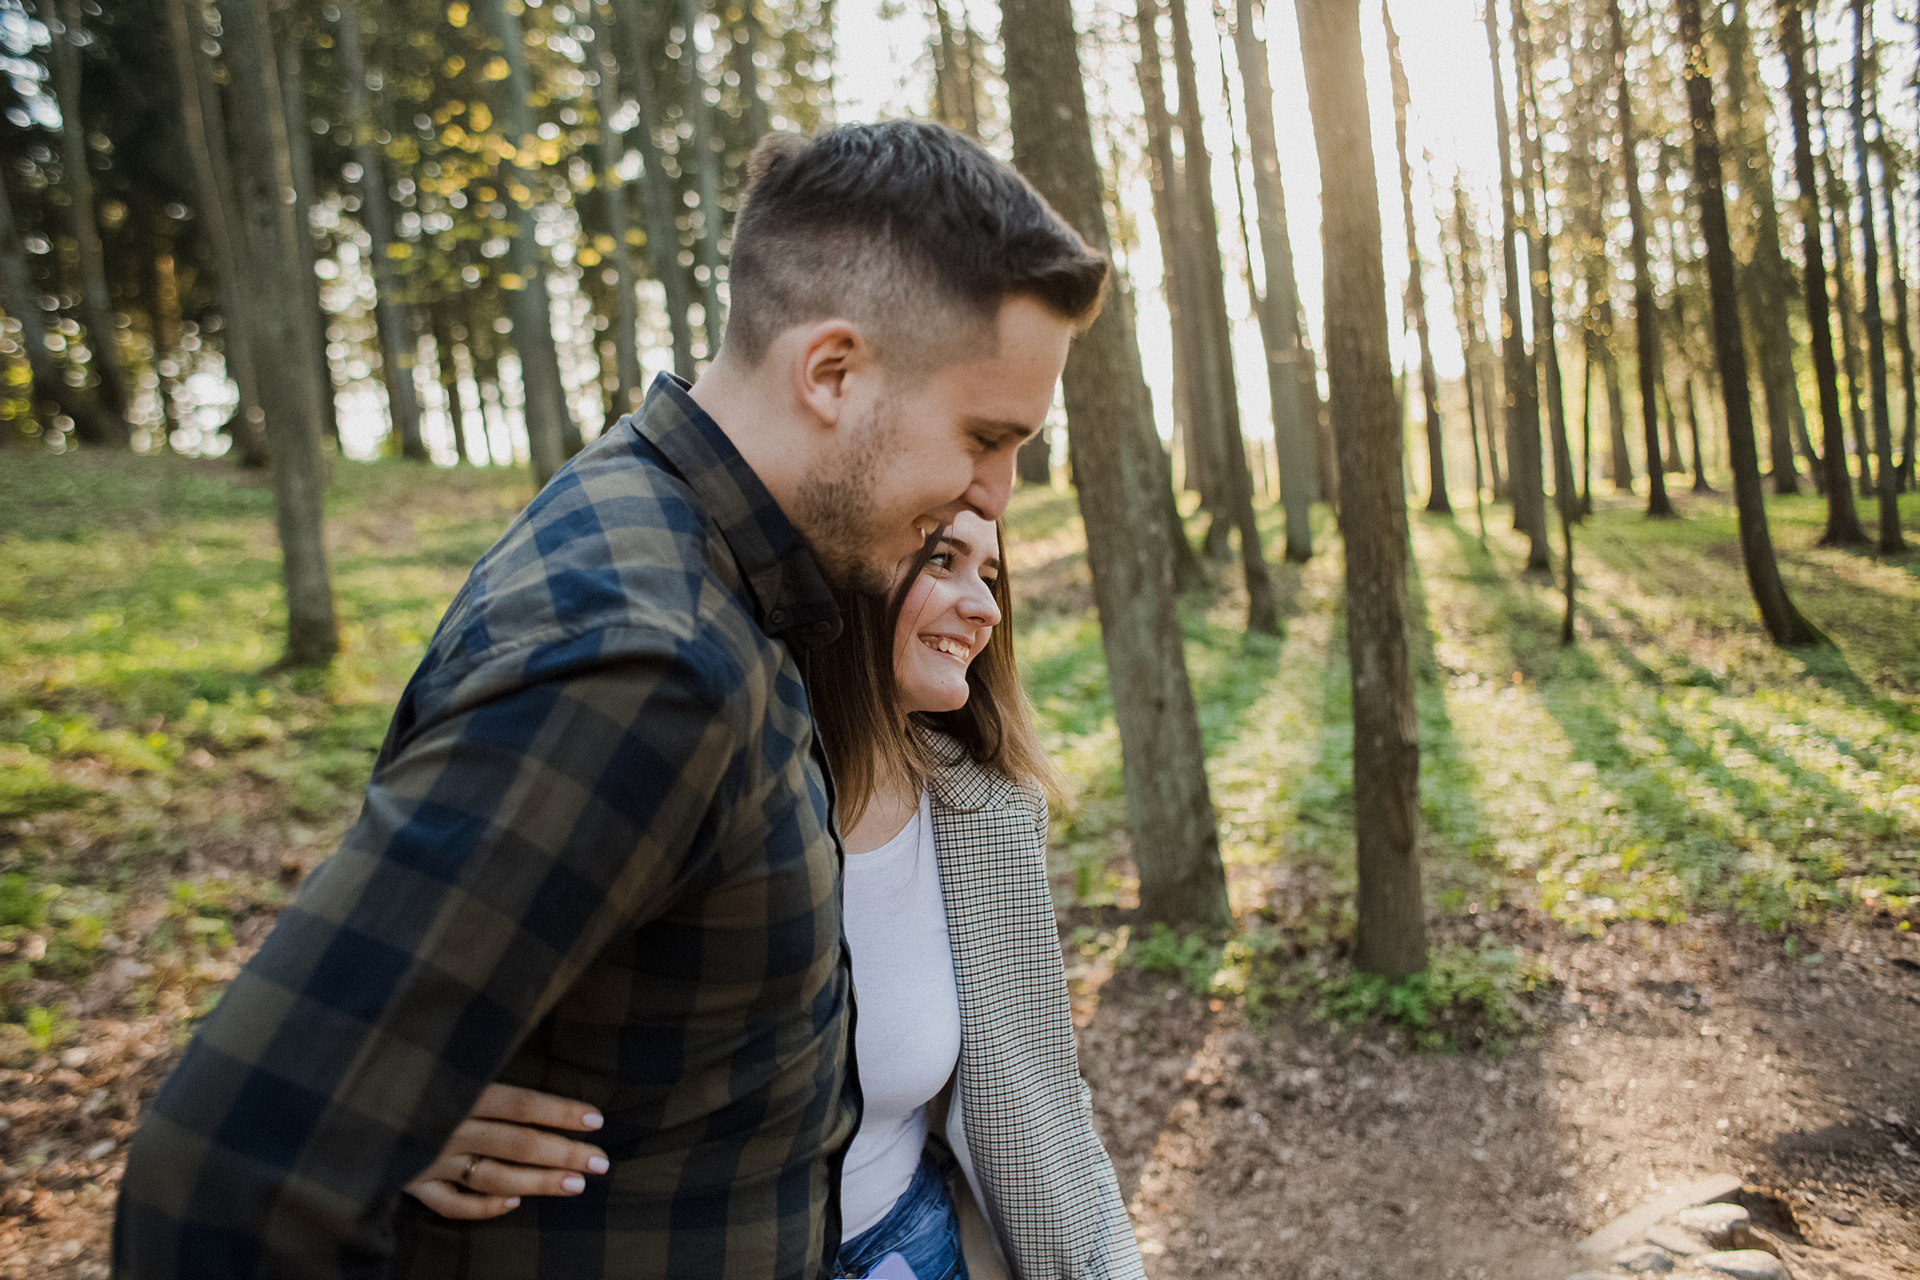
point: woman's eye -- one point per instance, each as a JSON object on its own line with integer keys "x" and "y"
{"x": 942, "y": 560}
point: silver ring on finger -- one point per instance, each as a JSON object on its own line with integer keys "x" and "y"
{"x": 466, "y": 1174}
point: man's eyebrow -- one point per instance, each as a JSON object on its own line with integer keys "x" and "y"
{"x": 1020, "y": 429}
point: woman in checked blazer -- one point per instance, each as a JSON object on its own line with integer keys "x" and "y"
{"x": 977, "y": 1156}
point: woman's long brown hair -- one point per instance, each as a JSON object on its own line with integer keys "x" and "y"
{"x": 871, "y": 743}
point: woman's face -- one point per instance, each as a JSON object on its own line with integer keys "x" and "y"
{"x": 948, "y": 617}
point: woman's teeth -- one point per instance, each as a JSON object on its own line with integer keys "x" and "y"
{"x": 954, "y": 647}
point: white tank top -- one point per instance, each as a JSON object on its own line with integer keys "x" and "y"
{"x": 907, "y": 1036}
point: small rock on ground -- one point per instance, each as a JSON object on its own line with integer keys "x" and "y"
{"x": 1745, "y": 1264}
{"x": 1644, "y": 1260}
{"x": 1677, "y": 1240}
{"x": 1724, "y": 1225}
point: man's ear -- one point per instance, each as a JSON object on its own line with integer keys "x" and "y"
{"x": 829, "y": 352}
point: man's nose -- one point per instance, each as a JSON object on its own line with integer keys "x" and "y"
{"x": 992, "y": 484}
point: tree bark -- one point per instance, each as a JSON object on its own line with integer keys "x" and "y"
{"x": 447, "y": 370}
{"x": 706, "y": 173}
{"x": 1416, "y": 298}
{"x": 398, "y": 343}
{"x": 613, "y": 192}
{"x": 1902, "y": 319}
{"x": 657, "y": 196}
{"x": 1891, "y": 543}
{"x": 1840, "y": 229}
{"x": 108, "y": 427}
{"x": 1843, "y": 523}
{"x": 1295, "y": 402}
{"x": 1546, "y": 341}
{"x": 1645, "y": 318}
{"x": 1391, "y": 937}
{"x": 287, "y": 397}
{"x": 206, "y": 147}
{"x": 547, "y": 414}
{"x": 1210, "y": 289}
{"x": 1765, "y": 282}
{"x": 293, "y": 92}
{"x": 1121, "y": 487}
{"x": 1525, "y": 484}
{"x": 1783, "y": 622}
{"x": 1460, "y": 282}
{"x": 746, "y": 66}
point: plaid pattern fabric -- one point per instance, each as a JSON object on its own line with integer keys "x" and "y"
{"x": 1030, "y": 1148}
{"x": 596, "y": 858}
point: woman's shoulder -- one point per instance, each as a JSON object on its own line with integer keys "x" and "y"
{"x": 962, "y": 783}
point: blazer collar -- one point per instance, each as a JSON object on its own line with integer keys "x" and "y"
{"x": 958, "y": 782}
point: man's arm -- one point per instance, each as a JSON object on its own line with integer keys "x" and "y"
{"x": 501, "y": 849}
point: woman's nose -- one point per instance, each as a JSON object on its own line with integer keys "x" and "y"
{"x": 979, "y": 607}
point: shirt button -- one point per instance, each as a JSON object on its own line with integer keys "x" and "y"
{"x": 777, "y": 617}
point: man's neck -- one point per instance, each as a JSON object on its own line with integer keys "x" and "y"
{"x": 758, "y": 425}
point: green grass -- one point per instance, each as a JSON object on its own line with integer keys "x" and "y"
{"x": 162, "y": 785}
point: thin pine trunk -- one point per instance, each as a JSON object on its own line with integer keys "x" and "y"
{"x": 109, "y": 426}
{"x": 1903, "y": 477}
{"x": 1459, "y": 281}
{"x": 1840, "y": 229}
{"x": 1210, "y": 289}
{"x": 293, "y": 92}
{"x": 1645, "y": 319}
{"x": 1120, "y": 481}
{"x": 1525, "y": 483}
{"x": 447, "y": 371}
{"x": 398, "y": 342}
{"x": 613, "y": 193}
{"x": 272, "y": 262}
{"x": 746, "y": 68}
{"x": 706, "y": 175}
{"x": 1437, "y": 503}
{"x": 1391, "y": 935}
{"x": 549, "y": 422}
{"x": 1295, "y": 403}
{"x": 657, "y": 193}
{"x": 1546, "y": 342}
{"x": 1783, "y": 622}
{"x": 1887, "y": 484}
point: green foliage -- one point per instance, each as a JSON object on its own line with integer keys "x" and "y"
{"x": 47, "y": 1029}
{"x": 1189, "y": 957}
{"x": 1461, "y": 993}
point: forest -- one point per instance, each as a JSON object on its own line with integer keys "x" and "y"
{"x": 1465, "y": 582}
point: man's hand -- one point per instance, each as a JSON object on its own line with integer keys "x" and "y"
{"x": 502, "y": 1151}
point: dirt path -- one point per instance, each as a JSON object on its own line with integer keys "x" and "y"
{"x": 1667, "y": 1055}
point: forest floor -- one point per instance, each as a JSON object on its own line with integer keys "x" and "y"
{"x": 1671, "y": 870}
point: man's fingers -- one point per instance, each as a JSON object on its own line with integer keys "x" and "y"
{"x": 518, "y": 1144}
{"x": 450, "y": 1201}
{"x": 530, "y": 1106}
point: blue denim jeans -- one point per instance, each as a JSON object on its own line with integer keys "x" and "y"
{"x": 922, "y": 1227}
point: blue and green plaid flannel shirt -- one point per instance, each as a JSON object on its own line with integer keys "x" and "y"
{"x": 597, "y": 858}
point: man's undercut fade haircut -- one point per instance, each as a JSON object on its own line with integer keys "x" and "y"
{"x": 912, "y": 231}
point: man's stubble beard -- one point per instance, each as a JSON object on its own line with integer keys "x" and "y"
{"x": 836, "y": 514}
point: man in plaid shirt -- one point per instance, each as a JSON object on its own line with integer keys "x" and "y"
{"x": 597, "y": 855}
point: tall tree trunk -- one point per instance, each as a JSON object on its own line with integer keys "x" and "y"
{"x": 206, "y": 147}
{"x": 398, "y": 343}
{"x": 1210, "y": 288}
{"x": 1546, "y": 341}
{"x": 1619, "y": 457}
{"x": 1764, "y": 282}
{"x": 1459, "y": 280}
{"x": 1194, "y": 424}
{"x": 548, "y": 417}
{"x": 1391, "y": 936}
{"x": 613, "y": 191}
{"x": 96, "y": 305}
{"x": 706, "y": 174}
{"x": 1891, "y": 543}
{"x": 1843, "y": 523}
{"x": 288, "y": 45}
{"x": 1525, "y": 484}
{"x": 657, "y": 195}
{"x": 265, "y": 175}
{"x": 447, "y": 370}
{"x": 21, "y": 298}
{"x": 746, "y": 66}
{"x": 1295, "y": 403}
{"x": 1782, "y": 620}
{"x": 1840, "y": 228}
{"x": 1645, "y": 319}
{"x": 1120, "y": 482}
{"x": 1903, "y": 333}
{"x": 1416, "y": 290}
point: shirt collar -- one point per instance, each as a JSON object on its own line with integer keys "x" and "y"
{"x": 791, "y": 599}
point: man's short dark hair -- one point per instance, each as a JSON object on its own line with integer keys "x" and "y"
{"x": 912, "y": 231}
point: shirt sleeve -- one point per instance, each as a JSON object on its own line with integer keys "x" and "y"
{"x": 500, "y": 850}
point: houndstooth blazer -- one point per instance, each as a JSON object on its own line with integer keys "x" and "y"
{"x": 1021, "y": 1122}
